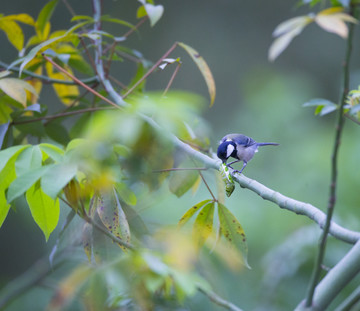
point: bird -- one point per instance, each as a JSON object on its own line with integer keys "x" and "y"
{"x": 240, "y": 147}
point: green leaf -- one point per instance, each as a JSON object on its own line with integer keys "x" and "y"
{"x": 24, "y": 182}
{"x": 38, "y": 48}
{"x": 57, "y": 132}
{"x": 136, "y": 224}
{"x": 4, "y": 207}
{"x": 7, "y": 154}
{"x": 125, "y": 193}
{"x": 55, "y": 179}
{"x": 233, "y": 232}
{"x": 141, "y": 70}
{"x": 189, "y": 213}
{"x": 204, "y": 69}
{"x": 34, "y": 128}
{"x": 52, "y": 151}
{"x": 323, "y": 106}
{"x": 44, "y": 209}
{"x": 29, "y": 159}
{"x": 117, "y": 21}
{"x": 45, "y": 15}
{"x": 203, "y": 226}
{"x": 182, "y": 181}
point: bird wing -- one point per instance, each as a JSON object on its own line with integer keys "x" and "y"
{"x": 239, "y": 139}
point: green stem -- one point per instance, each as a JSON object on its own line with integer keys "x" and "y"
{"x": 334, "y": 167}
{"x": 47, "y": 79}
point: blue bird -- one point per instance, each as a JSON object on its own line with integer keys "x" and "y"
{"x": 240, "y": 147}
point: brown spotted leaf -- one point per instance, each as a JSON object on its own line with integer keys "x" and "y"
{"x": 233, "y": 232}
{"x": 203, "y": 226}
{"x": 185, "y": 218}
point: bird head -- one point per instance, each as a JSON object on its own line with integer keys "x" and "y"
{"x": 226, "y": 150}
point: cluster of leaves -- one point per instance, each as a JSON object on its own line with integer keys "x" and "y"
{"x": 100, "y": 166}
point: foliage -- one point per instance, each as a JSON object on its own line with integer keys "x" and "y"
{"x": 127, "y": 143}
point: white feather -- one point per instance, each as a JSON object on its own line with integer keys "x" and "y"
{"x": 229, "y": 150}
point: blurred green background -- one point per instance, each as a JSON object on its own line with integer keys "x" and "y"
{"x": 254, "y": 97}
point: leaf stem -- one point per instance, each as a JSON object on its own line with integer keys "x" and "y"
{"x": 47, "y": 79}
{"x": 334, "y": 168}
{"x": 172, "y": 78}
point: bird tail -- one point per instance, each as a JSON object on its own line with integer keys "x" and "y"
{"x": 268, "y": 144}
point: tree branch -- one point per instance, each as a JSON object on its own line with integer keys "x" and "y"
{"x": 336, "y": 279}
{"x": 334, "y": 167}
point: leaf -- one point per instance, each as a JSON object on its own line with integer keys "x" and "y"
{"x": 55, "y": 179}
{"x": 87, "y": 239}
{"x": 136, "y": 224}
{"x": 233, "y": 232}
{"x": 57, "y": 132}
{"x": 323, "y": 106}
{"x": 125, "y": 193}
{"x": 333, "y": 20}
{"x": 189, "y": 213}
{"x": 24, "y": 182}
{"x": 112, "y": 216}
{"x": 13, "y": 32}
{"x": 117, "y": 21}
{"x": 182, "y": 181}
{"x": 286, "y": 32}
{"x": 15, "y": 88}
{"x": 4, "y": 207}
{"x": 204, "y": 69}
{"x": 23, "y": 18}
{"x": 3, "y": 130}
{"x": 52, "y": 151}
{"x": 44, "y": 209}
{"x": 29, "y": 159}
{"x": 44, "y": 16}
{"x": 7, "y": 154}
{"x": 33, "y": 128}
{"x": 203, "y": 226}
{"x": 38, "y": 48}
{"x": 154, "y": 12}
{"x": 291, "y": 24}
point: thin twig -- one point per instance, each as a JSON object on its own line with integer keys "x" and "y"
{"x": 217, "y": 299}
{"x": 80, "y": 82}
{"x": 180, "y": 169}
{"x": 350, "y": 117}
{"x": 150, "y": 70}
{"x": 207, "y": 186}
{"x": 172, "y": 78}
{"x": 334, "y": 167}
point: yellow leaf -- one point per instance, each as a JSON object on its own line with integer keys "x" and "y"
{"x": 63, "y": 91}
{"x": 23, "y": 18}
{"x": 331, "y": 11}
{"x": 185, "y": 218}
{"x": 16, "y": 89}
{"x": 204, "y": 69}
{"x": 203, "y": 226}
{"x": 13, "y": 33}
